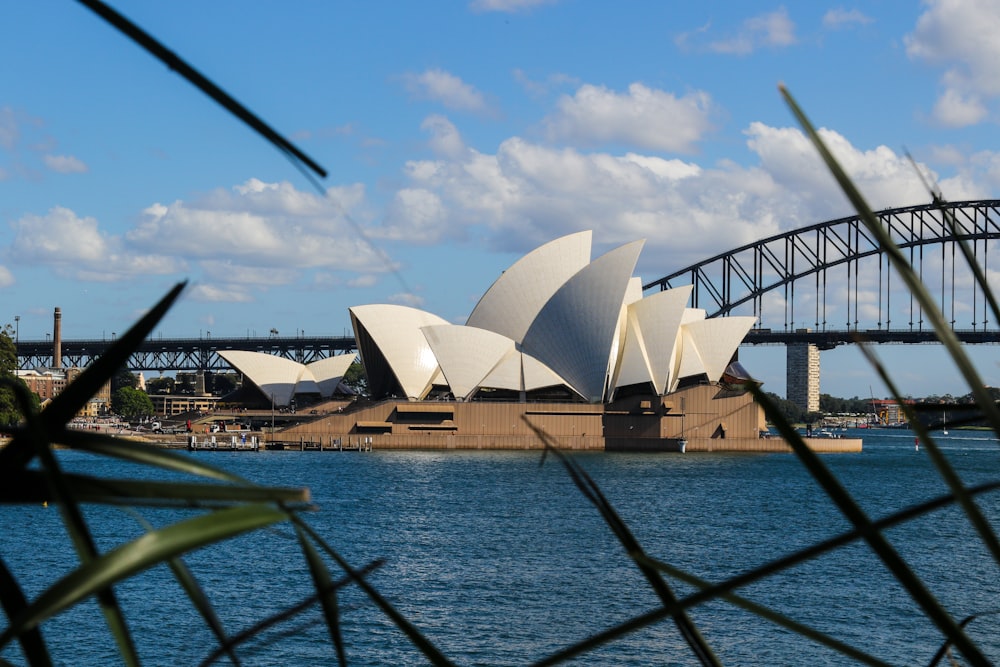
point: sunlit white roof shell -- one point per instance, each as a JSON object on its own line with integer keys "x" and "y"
{"x": 574, "y": 332}
{"x": 390, "y": 340}
{"x": 281, "y": 379}
{"x": 512, "y": 303}
{"x": 554, "y": 319}
{"x": 466, "y": 354}
{"x": 716, "y": 341}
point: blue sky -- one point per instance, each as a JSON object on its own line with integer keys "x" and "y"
{"x": 459, "y": 136}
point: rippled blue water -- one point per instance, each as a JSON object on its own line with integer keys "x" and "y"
{"x": 501, "y": 561}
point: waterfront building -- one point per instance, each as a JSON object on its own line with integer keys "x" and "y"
{"x": 559, "y": 342}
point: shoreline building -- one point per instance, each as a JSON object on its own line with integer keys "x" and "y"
{"x": 560, "y": 344}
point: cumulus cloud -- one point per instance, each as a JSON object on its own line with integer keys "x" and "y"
{"x": 445, "y": 138}
{"x": 772, "y": 30}
{"x": 529, "y": 193}
{"x": 407, "y": 299}
{"x": 6, "y": 277}
{"x": 65, "y": 164}
{"x": 77, "y": 248}
{"x": 960, "y": 36}
{"x": 263, "y": 225}
{"x": 446, "y": 88}
{"x": 839, "y": 18}
{"x": 215, "y": 293}
{"x": 643, "y": 118}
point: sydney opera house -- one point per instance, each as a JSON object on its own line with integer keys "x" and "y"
{"x": 562, "y": 342}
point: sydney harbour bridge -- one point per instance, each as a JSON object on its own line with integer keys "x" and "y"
{"x": 812, "y": 288}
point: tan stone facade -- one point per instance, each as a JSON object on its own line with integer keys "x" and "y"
{"x": 708, "y": 417}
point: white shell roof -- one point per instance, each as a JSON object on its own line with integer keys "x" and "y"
{"x": 574, "y": 332}
{"x": 466, "y": 354}
{"x": 506, "y": 374}
{"x": 717, "y": 340}
{"x": 537, "y": 375}
{"x": 330, "y": 371}
{"x": 553, "y": 318}
{"x": 658, "y": 318}
{"x": 513, "y": 302}
{"x": 396, "y": 331}
{"x": 277, "y": 377}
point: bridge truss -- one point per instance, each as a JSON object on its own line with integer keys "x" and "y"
{"x": 829, "y": 282}
{"x": 184, "y": 354}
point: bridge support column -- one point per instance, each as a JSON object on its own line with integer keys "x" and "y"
{"x": 802, "y": 375}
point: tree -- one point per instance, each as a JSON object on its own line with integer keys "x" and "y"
{"x": 123, "y": 378}
{"x": 131, "y": 403}
{"x": 161, "y": 385}
{"x": 355, "y": 378}
{"x": 11, "y": 410}
{"x": 223, "y": 383}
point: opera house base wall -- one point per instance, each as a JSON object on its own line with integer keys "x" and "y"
{"x": 708, "y": 418}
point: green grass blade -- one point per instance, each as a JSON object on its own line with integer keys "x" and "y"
{"x": 30, "y": 489}
{"x": 951, "y": 478}
{"x": 141, "y": 453}
{"x": 282, "y": 616}
{"x": 79, "y": 533}
{"x": 72, "y": 399}
{"x": 416, "y": 637}
{"x": 620, "y": 529}
{"x": 875, "y": 539}
{"x": 13, "y": 602}
{"x": 194, "y": 592}
{"x": 140, "y": 554}
{"x": 900, "y": 263}
{"x": 326, "y": 592}
{"x": 772, "y": 616}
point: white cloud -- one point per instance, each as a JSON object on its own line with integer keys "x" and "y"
{"x": 772, "y": 30}
{"x": 643, "y": 117}
{"x": 839, "y": 17}
{"x": 960, "y": 35}
{"x": 407, "y": 299}
{"x": 368, "y": 280}
{"x": 445, "y": 138}
{"x": 953, "y": 109}
{"x": 263, "y": 225}
{"x": 65, "y": 164}
{"x": 528, "y": 193}
{"x": 76, "y": 247}
{"x": 6, "y": 277}
{"x": 216, "y": 294}
{"x": 446, "y": 88}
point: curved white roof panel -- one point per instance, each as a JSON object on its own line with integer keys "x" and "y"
{"x": 537, "y": 375}
{"x": 658, "y": 318}
{"x": 276, "y": 376}
{"x": 506, "y": 374}
{"x": 574, "y": 332}
{"x": 632, "y": 366}
{"x": 717, "y": 340}
{"x": 466, "y": 354}
{"x": 395, "y": 332}
{"x": 329, "y": 372}
{"x": 511, "y": 304}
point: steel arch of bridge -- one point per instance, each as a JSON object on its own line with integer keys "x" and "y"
{"x": 825, "y": 255}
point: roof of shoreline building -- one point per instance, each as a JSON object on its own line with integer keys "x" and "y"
{"x": 281, "y": 379}
{"x": 553, "y": 319}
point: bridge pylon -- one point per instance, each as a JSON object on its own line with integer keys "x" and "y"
{"x": 802, "y": 374}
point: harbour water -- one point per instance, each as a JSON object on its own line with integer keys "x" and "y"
{"x": 501, "y": 561}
